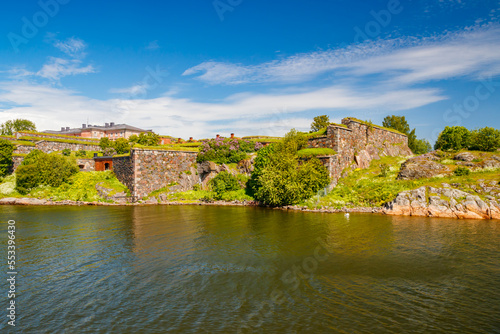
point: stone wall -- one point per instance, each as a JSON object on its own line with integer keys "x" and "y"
{"x": 357, "y": 144}
{"x": 24, "y": 149}
{"x": 53, "y": 146}
{"x": 147, "y": 170}
{"x": 123, "y": 167}
{"x": 86, "y": 165}
{"x": 16, "y": 161}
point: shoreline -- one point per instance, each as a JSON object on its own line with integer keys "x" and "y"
{"x": 27, "y": 201}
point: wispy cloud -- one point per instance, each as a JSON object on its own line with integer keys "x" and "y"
{"x": 72, "y": 47}
{"x": 56, "y": 68}
{"x": 153, "y": 45}
{"x": 407, "y": 60}
{"x": 135, "y": 90}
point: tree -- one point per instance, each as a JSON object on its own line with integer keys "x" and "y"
{"x": 148, "y": 139}
{"x": 133, "y": 139}
{"x": 121, "y": 146}
{"x": 320, "y": 122}
{"x": 104, "y": 143}
{"x": 421, "y": 146}
{"x": 10, "y": 127}
{"x": 6, "y": 149}
{"x": 399, "y": 123}
{"x": 453, "y": 138}
{"x": 281, "y": 178}
{"x": 485, "y": 139}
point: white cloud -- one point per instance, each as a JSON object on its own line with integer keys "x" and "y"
{"x": 406, "y": 60}
{"x": 72, "y": 46}
{"x": 271, "y": 114}
{"x": 135, "y": 90}
{"x": 153, "y": 45}
{"x": 56, "y": 68}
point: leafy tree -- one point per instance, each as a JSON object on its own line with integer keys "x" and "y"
{"x": 485, "y": 139}
{"x": 281, "y": 178}
{"x": 148, "y": 139}
{"x": 66, "y": 152}
{"x": 133, "y": 138}
{"x": 6, "y": 149}
{"x": 121, "y": 146}
{"x": 320, "y": 122}
{"x": 399, "y": 123}
{"x": 453, "y": 138}
{"x": 16, "y": 125}
{"x": 105, "y": 142}
{"x": 421, "y": 146}
{"x": 224, "y": 182}
{"x": 39, "y": 168}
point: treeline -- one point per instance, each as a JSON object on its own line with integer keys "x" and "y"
{"x": 455, "y": 138}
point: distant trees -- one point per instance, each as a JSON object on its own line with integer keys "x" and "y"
{"x": 9, "y": 127}
{"x": 399, "y": 123}
{"x": 455, "y": 138}
{"x": 320, "y": 122}
{"x": 6, "y": 149}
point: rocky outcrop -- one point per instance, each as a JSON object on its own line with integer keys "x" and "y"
{"x": 464, "y": 156}
{"x": 445, "y": 202}
{"x": 423, "y": 166}
{"x": 111, "y": 195}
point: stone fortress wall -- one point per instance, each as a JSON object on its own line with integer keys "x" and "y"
{"x": 356, "y": 144}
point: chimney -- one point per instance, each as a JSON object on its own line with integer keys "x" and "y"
{"x": 111, "y": 124}
{"x": 62, "y": 128}
{"x": 217, "y": 136}
{"x": 232, "y": 135}
{"x": 179, "y": 140}
{"x": 84, "y": 126}
{"x": 106, "y": 125}
{"x": 67, "y": 128}
{"x": 190, "y": 138}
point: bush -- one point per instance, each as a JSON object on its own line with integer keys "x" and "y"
{"x": 66, "y": 152}
{"x": 225, "y": 150}
{"x": 461, "y": 171}
{"x": 223, "y": 182}
{"x": 121, "y": 146}
{"x": 104, "y": 143}
{"x": 146, "y": 139}
{"x": 81, "y": 153}
{"x": 384, "y": 170}
{"x": 109, "y": 152}
{"x": 281, "y": 178}
{"x": 485, "y": 139}
{"x": 6, "y": 150}
{"x": 453, "y": 138}
{"x": 43, "y": 169}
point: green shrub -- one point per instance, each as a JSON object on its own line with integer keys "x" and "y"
{"x": 43, "y": 169}
{"x": 314, "y": 152}
{"x": 197, "y": 187}
{"x": 81, "y": 153}
{"x": 109, "y": 152}
{"x": 121, "y": 146}
{"x": 384, "y": 170}
{"x": 485, "y": 139}
{"x": 104, "y": 143}
{"x": 461, "y": 171}
{"x": 223, "y": 182}
{"x": 280, "y": 178}
{"x": 225, "y": 150}
{"x": 66, "y": 152}
{"x": 453, "y": 138}
{"x": 6, "y": 150}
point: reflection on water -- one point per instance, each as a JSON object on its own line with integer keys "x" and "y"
{"x": 191, "y": 269}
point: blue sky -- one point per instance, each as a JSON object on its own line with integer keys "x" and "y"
{"x": 198, "y": 68}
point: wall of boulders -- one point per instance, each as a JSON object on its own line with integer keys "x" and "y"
{"x": 48, "y": 146}
{"x": 50, "y": 136}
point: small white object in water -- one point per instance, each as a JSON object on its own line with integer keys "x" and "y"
{"x": 346, "y": 214}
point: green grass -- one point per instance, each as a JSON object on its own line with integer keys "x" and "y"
{"x": 169, "y": 147}
{"x": 68, "y": 141}
{"x": 314, "y": 152}
{"x": 82, "y": 187}
{"x": 366, "y": 188}
{"x": 374, "y": 125}
{"x": 316, "y": 134}
{"x": 199, "y": 195}
{"x": 47, "y": 135}
{"x": 23, "y": 142}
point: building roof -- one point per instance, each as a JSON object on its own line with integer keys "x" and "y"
{"x": 100, "y": 127}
